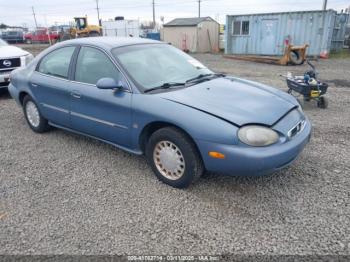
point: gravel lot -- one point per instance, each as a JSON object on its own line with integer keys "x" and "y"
{"x": 62, "y": 193}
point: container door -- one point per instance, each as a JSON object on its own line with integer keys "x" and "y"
{"x": 269, "y": 36}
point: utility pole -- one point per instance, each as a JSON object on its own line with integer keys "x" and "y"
{"x": 36, "y": 24}
{"x": 154, "y": 15}
{"x": 98, "y": 13}
{"x": 324, "y": 7}
{"x": 199, "y": 8}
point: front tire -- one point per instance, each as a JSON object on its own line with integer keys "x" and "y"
{"x": 33, "y": 116}
{"x": 174, "y": 158}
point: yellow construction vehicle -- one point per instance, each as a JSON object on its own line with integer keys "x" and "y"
{"x": 83, "y": 29}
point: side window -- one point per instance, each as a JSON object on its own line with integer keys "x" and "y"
{"x": 240, "y": 28}
{"x": 236, "y": 29}
{"x": 245, "y": 27}
{"x": 92, "y": 65}
{"x": 57, "y": 62}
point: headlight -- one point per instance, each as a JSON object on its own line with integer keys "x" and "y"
{"x": 257, "y": 135}
{"x": 28, "y": 59}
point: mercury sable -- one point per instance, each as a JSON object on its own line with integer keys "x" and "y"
{"x": 148, "y": 97}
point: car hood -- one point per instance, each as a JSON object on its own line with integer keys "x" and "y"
{"x": 11, "y": 51}
{"x": 235, "y": 100}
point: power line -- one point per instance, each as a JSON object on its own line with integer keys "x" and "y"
{"x": 36, "y": 24}
{"x": 199, "y": 8}
{"x": 98, "y": 13}
{"x": 154, "y": 15}
{"x": 324, "y": 6}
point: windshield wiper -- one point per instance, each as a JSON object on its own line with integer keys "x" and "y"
{"x": 202, "y": 77}
{"x": 165, "y": 86}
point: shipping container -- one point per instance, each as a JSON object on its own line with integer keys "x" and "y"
{"x": 124, "y": 28}
{"x": 269, "y": 34}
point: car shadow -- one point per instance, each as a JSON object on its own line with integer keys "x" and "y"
{"x": 209, "y": 182}
{"x": 4, "y": 94}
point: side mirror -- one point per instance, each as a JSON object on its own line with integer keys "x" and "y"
{"x": 109, "y": 83}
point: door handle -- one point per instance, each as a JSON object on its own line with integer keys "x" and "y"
{"x": 34, "y": 85}
{"x": 76, "y": 95}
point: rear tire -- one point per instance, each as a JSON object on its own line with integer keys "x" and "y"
{"x": 93, "y": 34}
{"x": 295, "y": 58}
{"x": 174, "y": 158}
{"x": 33, "y": 116}
{"x": 322, "y": 102}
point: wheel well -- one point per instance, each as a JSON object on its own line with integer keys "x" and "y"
{"x": 22, "y": 96}
{"x": 149, "y": 129}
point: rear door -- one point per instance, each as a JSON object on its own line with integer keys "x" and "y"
{"x": 105, "y": 114}
{"x": 51, "y": 86}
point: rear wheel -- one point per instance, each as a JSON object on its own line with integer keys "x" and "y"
{"x": 173, "y": 157}
{"x": 93, "y": 34}
{"x": 33, "y": 116}
{"x": 296, "y": 58}
{"x": 322, "y": 102}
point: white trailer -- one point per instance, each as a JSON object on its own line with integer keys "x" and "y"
{"x": 125, "y": 28}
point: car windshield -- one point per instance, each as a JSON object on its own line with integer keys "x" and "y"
{"x": 2, "y": 43}
{"x": 154, "y": 65}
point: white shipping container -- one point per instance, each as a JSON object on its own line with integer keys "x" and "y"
{"x": 125, "y": 28}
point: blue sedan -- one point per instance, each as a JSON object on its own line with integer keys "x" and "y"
{"x": 147, "y": 97}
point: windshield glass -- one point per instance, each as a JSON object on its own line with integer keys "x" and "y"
{"x": 153, "y": 65}
{"x": 2, "y": 43}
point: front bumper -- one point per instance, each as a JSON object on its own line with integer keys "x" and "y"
{"x": 4, "y": 80}
{"x": 254, "y": 161}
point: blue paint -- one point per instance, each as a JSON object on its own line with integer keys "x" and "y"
{"x": 211, "y": 112}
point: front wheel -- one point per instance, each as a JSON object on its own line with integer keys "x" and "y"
{"x": 33, "y": 116}
{"x": 174, "y": 158}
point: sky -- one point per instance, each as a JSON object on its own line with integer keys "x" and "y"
{"x": 49, "y": 12}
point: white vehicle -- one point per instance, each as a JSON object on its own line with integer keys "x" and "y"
{"x": 11, "y": 57}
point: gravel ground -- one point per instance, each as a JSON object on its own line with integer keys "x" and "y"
{"x": 62, "y": 193}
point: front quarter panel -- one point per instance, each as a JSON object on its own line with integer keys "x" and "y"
{"x": 199, "y": 125}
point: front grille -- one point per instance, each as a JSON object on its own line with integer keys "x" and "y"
{"x": 9, "y": 63}
{"x": 5, "y": 71}
{"x": 297, "y": 128}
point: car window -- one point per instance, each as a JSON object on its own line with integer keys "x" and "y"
{"x": 92, "y": 65}
{"x": 57, "y": 62}
{"x": 152, "y": 65}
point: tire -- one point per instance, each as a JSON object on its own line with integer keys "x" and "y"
{"x": 295, "y": 58}
{"x": 322, "y": 102}
{"x": 93, "y": 34}
{"x": 33, "y": 116}
{"x": 165, "y": 142}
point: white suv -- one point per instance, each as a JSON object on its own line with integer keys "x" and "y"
{"x": 11, "y": 57}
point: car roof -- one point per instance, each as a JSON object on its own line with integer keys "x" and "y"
{"x": 110, "y": 42}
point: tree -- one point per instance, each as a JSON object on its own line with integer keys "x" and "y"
{"x": 3, "y": 26}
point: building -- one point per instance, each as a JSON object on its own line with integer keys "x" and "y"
{"x": 269, "y": 34}
{"x": 121, "y": 27}
{"x": 200, "y": 34}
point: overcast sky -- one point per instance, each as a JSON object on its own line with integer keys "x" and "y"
{"x": 19, "y": 12}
